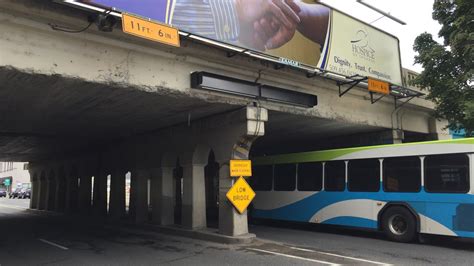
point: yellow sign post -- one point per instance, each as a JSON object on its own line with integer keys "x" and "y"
{"x": 241, "y": 194}
{"x": 150, "y": 30}
{"x": 379, "y": 86}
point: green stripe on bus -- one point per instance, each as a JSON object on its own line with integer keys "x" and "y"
{"x": 327, "y": 155}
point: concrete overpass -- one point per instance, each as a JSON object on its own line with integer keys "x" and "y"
{"x": 96, "y": 104}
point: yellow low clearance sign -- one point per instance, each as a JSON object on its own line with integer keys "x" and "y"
{"x": 150, "y": 30}
{"x": 379, "y": 86}
{"x": 240, "y": 195}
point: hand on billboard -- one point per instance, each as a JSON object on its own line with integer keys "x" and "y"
{"x": 266, "y": 24}
{"x": 314, "y": 21}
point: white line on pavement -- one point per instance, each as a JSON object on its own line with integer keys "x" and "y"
{"x": 341, "y": 256}
{"x": 52, "y": 244}
{"x": 291, "y": 256}
{"x": 13, "y": 207}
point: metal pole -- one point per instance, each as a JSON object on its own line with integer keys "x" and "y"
{"x": 381, "y": 12}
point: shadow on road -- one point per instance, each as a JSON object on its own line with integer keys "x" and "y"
{"x": 432, "y": 240}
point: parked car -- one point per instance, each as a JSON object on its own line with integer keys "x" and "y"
{"x": 3, "y": 193}
{"x": 15, "y": 193}
{"x": 25, "y": 193}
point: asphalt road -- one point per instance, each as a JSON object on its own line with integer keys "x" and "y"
{"x": 370, "y": 245}
{"x": 37, "y": 239}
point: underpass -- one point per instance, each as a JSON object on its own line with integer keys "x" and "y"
{"x": 41, "y": 238}
{"x": 89, "y": 110}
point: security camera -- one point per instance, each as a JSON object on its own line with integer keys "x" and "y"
{"x": 105, "y": 22}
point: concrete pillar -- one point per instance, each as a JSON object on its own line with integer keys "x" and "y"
{"x": 42, "y": 192}
{"x": 194, "y": 197}
{"x": 231, "y": 223}
{"x": 117, "y": 195}
{"x": 85, "y": 189}
{"x": 162, "y": 195}
{"x": 72, "y": 193}
{"x": 34, "y": 201}
{"x": 140, "y": 193}
{"x": 100, "y": 194}
{"x": 51, "y": 192}
{"x": 438, "y": 129}
{"x": 60, "y": 197}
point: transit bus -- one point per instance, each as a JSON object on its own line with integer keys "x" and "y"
{"x": 400, "y": 189}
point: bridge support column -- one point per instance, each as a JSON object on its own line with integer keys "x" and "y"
{"x": 34, "y": 201}
{"x": 85, "y": 188}
{"x": 194, "y": 197}
{"x": 60, "y": 195}
{"x": 117, "y": 195}
{"x": 438, "y": 129}
{"x": 42, "y": 191}
{"x": 140, "y": 193}
{"x": 51, "y": 191}
{"x": 232, "y": 223}
{"x": 163, "y": 198}
{"x": 100, "y": 194}
{"x": 72, "y": 192}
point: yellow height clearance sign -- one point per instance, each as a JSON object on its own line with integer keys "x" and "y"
{"x": 379, "y": 86}
{"x": 240, "y": 168}
{"x": 150, "y": 30}
{"x": 240, "y": 194}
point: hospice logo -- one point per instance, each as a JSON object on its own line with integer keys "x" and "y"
{"x": 361, "y": 46}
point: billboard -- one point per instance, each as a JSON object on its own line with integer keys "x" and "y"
{"x": 299, "y": 33}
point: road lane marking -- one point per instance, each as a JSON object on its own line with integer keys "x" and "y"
{"x": 52, "y": 244}
{"x": 13, "y": 207}
{"x": 303, "y": 249}
{"x": 340, "y": 256}
{"x": 292, "y": 256}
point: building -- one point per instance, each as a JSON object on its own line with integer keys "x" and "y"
{"x": 16, "y": 172}
{"x": 408, "y": 76}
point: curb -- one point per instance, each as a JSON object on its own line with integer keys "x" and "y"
{"x": 205, "y": 234}
{"x": 201, "y": 234}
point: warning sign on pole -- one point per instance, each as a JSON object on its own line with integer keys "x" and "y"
{"x": 240, "y": 168}
{"x": 241, "y": 195}
{"x": 378, "y": 86}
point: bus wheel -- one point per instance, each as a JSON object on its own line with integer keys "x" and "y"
{"x": 399, "y": 224}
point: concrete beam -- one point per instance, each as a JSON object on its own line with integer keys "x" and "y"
{"x": 116, "y": 58}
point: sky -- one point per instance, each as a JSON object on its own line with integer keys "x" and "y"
{"x": 416, "y": 13}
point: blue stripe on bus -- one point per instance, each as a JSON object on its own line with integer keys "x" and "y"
{"x": 439, "y": 207}
{"x": 352, "y": 221}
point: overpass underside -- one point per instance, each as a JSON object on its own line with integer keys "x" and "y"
{"x": 82, "y": 139}
{"x": 87, "y": 110}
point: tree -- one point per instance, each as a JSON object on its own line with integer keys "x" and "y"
{"x": 448, "y": 71}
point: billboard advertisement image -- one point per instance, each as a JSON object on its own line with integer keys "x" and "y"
{"x": 298, "y": 32}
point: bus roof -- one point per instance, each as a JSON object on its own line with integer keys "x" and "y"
{"x": 327, "y": 155}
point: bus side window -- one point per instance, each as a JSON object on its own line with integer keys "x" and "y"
{"x": 310, "y": 176}
{"x": 262, "y": 177}
{"x": 285, "y": 177}
{"x": 364, "y": 175}
{"x": 402, "y": 174}
{"x": 447, "y": 173}
{"x": 335, "y": 176}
